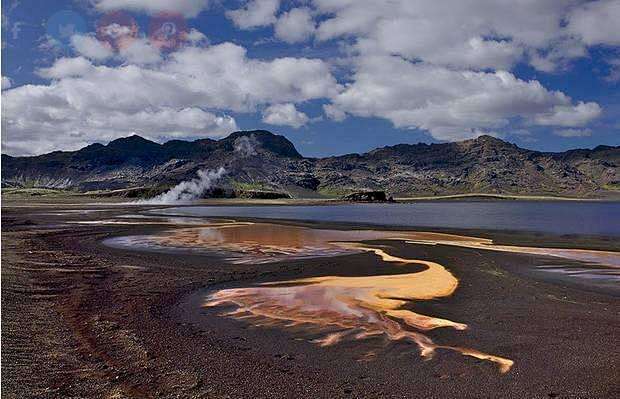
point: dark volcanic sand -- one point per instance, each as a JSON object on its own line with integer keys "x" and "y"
{"x": 80, "y": 319}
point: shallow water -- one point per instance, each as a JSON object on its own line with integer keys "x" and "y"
{"x": 356, "y": 307}
{"x": 560, "y": 217}
{"x": 346, "y": 307}
{"x": 249, "y": 242}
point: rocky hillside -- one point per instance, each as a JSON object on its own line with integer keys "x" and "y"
{"x": 262, "y": 160}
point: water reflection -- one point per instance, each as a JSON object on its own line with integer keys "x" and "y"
{"x": 343, "y": 307}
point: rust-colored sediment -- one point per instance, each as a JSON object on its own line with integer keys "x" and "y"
{"x": 265, "y": 242}
{"x": 359, "y": 307}
{"x": 346, "y": 307}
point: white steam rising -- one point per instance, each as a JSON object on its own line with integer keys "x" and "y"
{"x": 188, "y": 190}
{"x": 246, "y": 146}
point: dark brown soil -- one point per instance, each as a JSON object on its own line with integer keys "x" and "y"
{"x": 80, "y": 319}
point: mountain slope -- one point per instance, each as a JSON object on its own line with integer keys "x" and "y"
{"x": 262, "y": 159}
{"x": 482, "y": 165}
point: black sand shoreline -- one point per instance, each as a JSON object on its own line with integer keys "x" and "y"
{"x": 84, "y": 320}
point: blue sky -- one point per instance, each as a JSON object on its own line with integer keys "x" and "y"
{"x": 333, "y": 76}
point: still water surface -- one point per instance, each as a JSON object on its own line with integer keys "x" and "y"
{"x": 558, "y": 217}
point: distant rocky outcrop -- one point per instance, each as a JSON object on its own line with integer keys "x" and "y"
{"x": 260, "y": 194}
{"x": 262, "y": 161}
{"x": 367, "y": 196}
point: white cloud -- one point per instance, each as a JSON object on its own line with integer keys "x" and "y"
{"x": 169, "y": 122}
{"x": 117, "y": 31}
{"x": 39, "y": 119}
{"x": 67, "y": 67}
{"x": 255, "y": 13}
{"x": 285, "y": 115}
{"x": 597, "y": 22}
{"x": 7, "y": 83}
{"x": 334, "y": 113}
{"x": 453, "y": 105}
{"x": 223, "y": 76}
{"x": 136, "y": 51}
{"x": 186, "y": 95}
{"x": 195, "y": 37}
{"x": 439, "y": 66}
{"x": 48, "y": 45}
{"x": 295, "y": 26}
{"x": 614, "y": 71}
{"x": 558, "y": 55}
{"x": 573, "y": 132}
{"x": 568, "y": 115}
{"x": 188, "y": 8}
{"x": 90, "y": 47}
{"x": 140, "y": 51}
{"x": 476, "y": 34}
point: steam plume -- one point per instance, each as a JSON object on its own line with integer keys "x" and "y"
{"x": 246, "y": 146}
{"x": 188, "y": 190}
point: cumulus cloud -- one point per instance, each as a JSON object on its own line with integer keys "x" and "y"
{"x": 596, "y": 22}
{"x": 568, "y": 115}
{"x": 90, "y": 47}
{"x": 7, "y": 83}
{"x": 442, "y": 66}
{"x": 295, "y": 26}
{"x": 51, "y": 122}
{"x": 186, "y": 95}
{"x": 256, "y": 13}
{"x": 558, "y": 56}
{"x": 224, "y": 77}
{"x": 450, "y": 104}
{"x": 140, "y": 51}
{"x": 67, "y": 67}
{"x": 136, "y": 51}
{"x": 573, "y": 132}
{"x": 439, "y": 66}
{"x": 195, "y": 36}
{"x": 284, "y": 115}
{"x": 334, "y": 113}
{"x": 477, "y": 34}
{"x": 188, "y": 8}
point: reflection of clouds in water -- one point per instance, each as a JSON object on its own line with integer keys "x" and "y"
{"x": 211, "y": 234}
{"x": 256, "y": 243}
{"x": 344, "y": 307}
{"x": 266, "y": 242}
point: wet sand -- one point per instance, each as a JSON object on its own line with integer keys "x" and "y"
{"x": 84, "y": 319}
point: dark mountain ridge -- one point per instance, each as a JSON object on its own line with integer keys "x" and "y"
{"x": 263, "y": 160}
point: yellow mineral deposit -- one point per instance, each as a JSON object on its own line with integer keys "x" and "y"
{"x": 359, "y": 307}
{"x": 347, "y": 307}
{"x": 606, "y": 258}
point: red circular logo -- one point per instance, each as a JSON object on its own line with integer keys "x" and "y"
{"x": 118, "y": 29}
{"x": 167, "y": 31}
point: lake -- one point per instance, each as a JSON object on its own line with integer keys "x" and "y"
{"x": 559, "y": 217}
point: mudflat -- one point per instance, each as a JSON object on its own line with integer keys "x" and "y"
{"x": 82, "y": 318}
